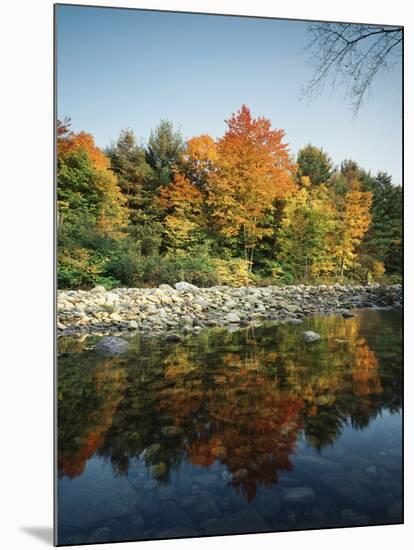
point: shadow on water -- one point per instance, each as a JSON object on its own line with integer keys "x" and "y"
{"x": 241, "y": 419}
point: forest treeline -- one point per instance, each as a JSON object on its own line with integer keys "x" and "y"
{"x": 237, "y": 210}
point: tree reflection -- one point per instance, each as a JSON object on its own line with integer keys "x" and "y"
{"x": 241, "y": 399}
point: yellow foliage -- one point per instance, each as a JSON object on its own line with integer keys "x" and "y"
{"x": 232, "y": 272}
{"x": 377, "y": 269}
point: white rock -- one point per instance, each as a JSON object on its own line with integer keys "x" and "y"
{"x": 232, "y": 318}
{"x": 98, "y": 288}
{"x": 311, "y": 336}
{"x": 167, "y": 288}
{"x": 185, "y": 286}
{"x": 115, "y": 317}
{"x": 111, "y": 298}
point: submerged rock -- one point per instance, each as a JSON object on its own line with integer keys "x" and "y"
{"x": 112, "y": 345}
{"x": 173, "y": 337}
{"x": 299, "y": 495}
{"x": 311, "y": 336}
{"x": 347, "y": 314}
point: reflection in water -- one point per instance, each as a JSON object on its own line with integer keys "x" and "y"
{"x": 244, "y": 406}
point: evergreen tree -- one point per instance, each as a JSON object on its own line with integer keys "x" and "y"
{"x": 127, "y": 160}
{"x": 163, "y": 151}
{"x": 315, "y": 164}
{"x": 383, "y": 241}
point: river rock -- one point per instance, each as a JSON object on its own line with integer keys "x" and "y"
{"x": 98, "y": 289}
{"x": 347, "y": 314}
{"x": 185, "y": 321}
{"x": 311, "y": 336}
{"x": 112, "y": 345}
{"x": 232, "y": 318}
{"x": 166, "y": 288}
{"x": 173, "y": 338}
{"x": 186, "y": 286}
{"x": 299, "y": 495}
{"x": 159, "y": 310}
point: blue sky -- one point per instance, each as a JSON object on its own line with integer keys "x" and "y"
{"x": 129, "y": 69}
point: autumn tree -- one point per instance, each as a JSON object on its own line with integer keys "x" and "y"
{"x": 182, "y": 202}
{"x": 354, "y": 219}
{"x": 198, "y": 160}
{"x": 86, "y": 182}
{"x": 90, "y": 207}
{"x": 305, "y": 237}
{"x": 253, "y": 171}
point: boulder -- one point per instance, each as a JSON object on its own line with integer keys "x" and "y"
{"x": 185, "y": 286}
{"x": 112, "y": 345}
{"x": 311, "y": 336}
{"x": 185, "y": 321}
{"x": 167, "y": 288}
{"x": 347, "y": 314}
{"x": 173, "y": 338}
{"x": 232, "y": 318}
{"x": 98, "y": 288}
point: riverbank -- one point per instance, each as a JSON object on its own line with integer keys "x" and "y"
{"x": 187, "y": 308}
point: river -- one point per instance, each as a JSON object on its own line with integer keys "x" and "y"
{"x": 226, "y": 432}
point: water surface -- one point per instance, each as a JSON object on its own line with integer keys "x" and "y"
{"x": 229, "y": 432}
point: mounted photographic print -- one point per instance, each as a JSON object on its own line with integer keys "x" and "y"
{"x": 229, "y": 274}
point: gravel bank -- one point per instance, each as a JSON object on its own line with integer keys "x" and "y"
{"x": 187, "y": 308}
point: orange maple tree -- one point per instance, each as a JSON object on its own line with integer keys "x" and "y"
{"x": 253, "y": 171}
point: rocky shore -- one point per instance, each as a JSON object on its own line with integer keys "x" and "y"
{"x": 187, "y": 308}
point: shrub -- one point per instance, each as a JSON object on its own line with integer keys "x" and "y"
{"x": 234, "y": 272}
{"x": 78, "y": 267}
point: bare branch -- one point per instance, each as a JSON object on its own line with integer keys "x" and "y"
{"x": 350, "y": 55}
